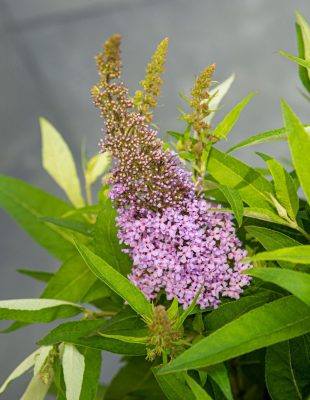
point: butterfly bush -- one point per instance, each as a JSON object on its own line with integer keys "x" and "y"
{"x": 176, "y": 243}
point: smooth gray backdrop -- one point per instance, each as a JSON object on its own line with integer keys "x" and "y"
{"x": 47, "y": 67}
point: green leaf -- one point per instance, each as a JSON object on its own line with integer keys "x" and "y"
{"x": 264, "y": 137}
{"x": 299, "y": 142}
{"x": 76, "y": 226}
{"x": 96, "y": 167}
{"x": 37, "y": 310}
{"x": 179, "y": 322}
{"x": 135, "y": 380}
{"x": 305, "y": 34}
{"x": 126, "y": 339}
{"x": 107, "y": 244}
{"x": 23, "y": 367}
{"x": 83, "y": 333}
{"x": 73, "y": 367}
{"x": 198, "y": 391}
{"x": 38, "y": 275}
{"x": 173, "y": 310}
{"x": 280, "y": 375}
{"x": 216, "y": 95}
{"x": 69, "y": 331}
{"x": 298, "y": 60}
{"x": 220, "y": 376}
{"x": 234, "y": 199}
{"x": 27, "y": 205}
{"x": 174, "y": 386}
{"x": 97, "y": 291}
{"x": 91, "y": 375}
{"x": 71, "y": 282}
{"x": 272, "y": 240}
{"x": 303, "y": 72}
{"x": 59, "y": 163}
{"x": 298, "y": 283}
{"x": 235, "y": 174}
{"x": 234, "y": 309}
{"x": 224, "y": 127}
{"x": 284, "y": 187}
{"x": 117, "y": 282}
{"x": 295, "y": 254}
{"x": 271, "y": 323}
{"x": 264, "y": 215}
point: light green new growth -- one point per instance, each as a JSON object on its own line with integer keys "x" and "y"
{"x": 146, "y": 99}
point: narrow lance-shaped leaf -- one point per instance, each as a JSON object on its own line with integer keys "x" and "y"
{"x": 198, "y": 391}
{"x": 37, "y": 310}
{"x": 96, "y": 167}
{"x": 233, "y": 173}
{"x": 299, "y": 142}
{"x": 305, "y": 34}
{"x": 73, "y": 367}
{"x": 295, "y": 254}
{"x": 224, "y": 127}
{"x": 92, "y": 359}
{"x": 274, "y": 322}
{"x": 37, "y": 389}
{"x": 23, "y": 367}
{"x": 220, "y": 376}
{"x": 216, "y": 95}
{"x": 295, "y": 282}
{"x": 27, "y": 205}
{"x": 117, "y": 282}
{"x": 42, "y": 276}
{"x": 235, "y": 201}
{"x": 272, "y": 240}
{"x": 174, "y": 386}
{"x": 59, "y": 163}
{"x": 297, "y": 60}
{"x": 284, "y": 187}
{"x": 280, "y": 375}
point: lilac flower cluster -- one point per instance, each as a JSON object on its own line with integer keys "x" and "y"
{"x": 181, "y": 250}
{"x": 176, "y": 243}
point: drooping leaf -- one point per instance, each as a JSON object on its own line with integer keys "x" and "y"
{"x": 37, "y": 310}
{"x": 92, "y": 359}
{"x": 27, "y": 205}
{"x": 42, "y": 276}
{"x": 73, "y": 368}
{"x": 216, "y": 96}
{"x": 198, "y": 391}
{"x": 41, "y": 358}
{"x": 299, "y": 142}
{"x": 235, "y": 174}
{"x": 284, "y": 187}
{"x": 235, "y": 201}
{"x": 107, "y": 244}
{"x": 174, "y": 386}
{"x": 37, "y": 389}
{"x": 71, "y": 282}
{"x": 23, "y": 367}
{"x": 58, "y": 161}
{"x": 117, "y": 282}
{"x": 271, "y": 323}
{"x": 225, "y": 126}
{"x": 295, "y": 254}
{"x": 298, "y": 283}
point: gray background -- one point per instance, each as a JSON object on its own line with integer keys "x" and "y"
{"x": 47, "y": 68}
